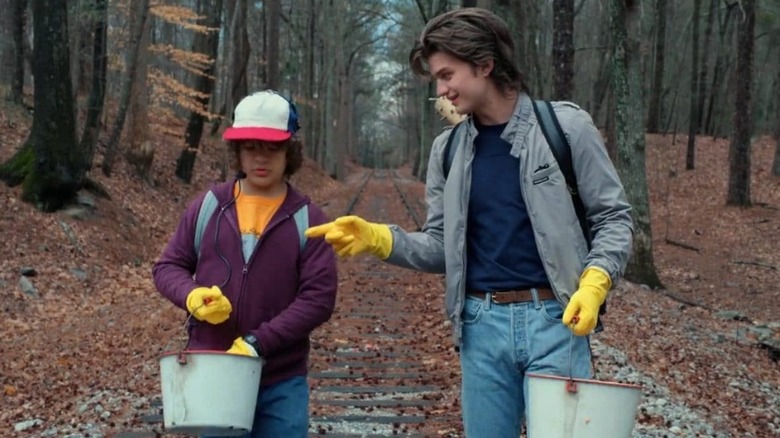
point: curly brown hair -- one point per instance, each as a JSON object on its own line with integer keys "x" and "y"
{"x": 293, "y": 155}
{"x": 473, "y": 35}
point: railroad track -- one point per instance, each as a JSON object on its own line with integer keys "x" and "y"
{"x": 370, "y": 375}
{"x": 356, "y": 196}
{"x": 408, "y": 202}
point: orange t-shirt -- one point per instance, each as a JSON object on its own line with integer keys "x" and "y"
{"x": 254, "y": 214}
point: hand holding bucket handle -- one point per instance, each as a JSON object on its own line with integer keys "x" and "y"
{"x": 242, "y": 347}
{"x": 587, "y": 299}
{"x": 571, "y": 385}
{"x": 205, "y": 304}
{"x": 568, "y": 406}
{"x": 582, "y": 312}
{"x": 209, "y": 304}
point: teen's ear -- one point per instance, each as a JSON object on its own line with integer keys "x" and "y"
{"x": 485, "y": 69}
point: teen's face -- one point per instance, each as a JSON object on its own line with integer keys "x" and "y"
{"x": 465, "y": 85}
{"x": 264, "y": 163}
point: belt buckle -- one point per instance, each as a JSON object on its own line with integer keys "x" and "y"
{"x": 493, "y": 298}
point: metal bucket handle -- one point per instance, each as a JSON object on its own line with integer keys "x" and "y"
{"x": 181, "y": 358}
{"x": 571, "y": 385}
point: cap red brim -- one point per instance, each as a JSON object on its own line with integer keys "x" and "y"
{"x": 264, "y": 134}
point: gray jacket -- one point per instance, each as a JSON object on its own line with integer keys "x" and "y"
{"x": 440, "y": 247}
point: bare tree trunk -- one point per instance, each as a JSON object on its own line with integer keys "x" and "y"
{"x": 534, "y": 49}
{"x": 342, "y": 97}
{"x": 518, "y": 12}
{"x": 524, "y": 15}
{"x": 48, "y": 163}
{"x": 739, "y": 152}
{"x": 142, "y": 9}
{"x": 218, "y": 104}
{"x": 98, "y": 92}
{"x": 630, "y": 137}
{"x": 776, "y": 161}
{"x": 705, "y": 63}
{"x": 340, "y": 72}
{"x": 238, "y": 50}
{"x": 18, "y": 30}
{"x": 600, "y": 88}
{"x": 563, "y": 49}
{"x": 7, "y": 47}
{"x": 352, "y": 140}
{"x": 411, "y": 125}
{"x": 273, "y": 18}
{"x": 426, "y": 125}
{"x": 307, "y": 109}
{"x": 420, "y": 170}
{"x": 78, "y": 36}
{"x": 330, "y": 71}
{"x": 725, "y": 30}
{"x": 611, "y": 140}
{"x": 141, "y": 152}
{"x": 241, "y": 51}
{"x": 206, "y": 43}
{"x": 329, "y": 138}
{"x": 322, "y": 82}
{"x": 694, "y": 100}
{"x": 654, "y": 112}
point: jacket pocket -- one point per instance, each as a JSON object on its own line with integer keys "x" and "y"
{"x": 544, "y": 173}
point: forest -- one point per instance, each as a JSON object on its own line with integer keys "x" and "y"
{"x": 122, "y": 104}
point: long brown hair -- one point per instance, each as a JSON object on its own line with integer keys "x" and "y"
{"x": 473, "y": 35}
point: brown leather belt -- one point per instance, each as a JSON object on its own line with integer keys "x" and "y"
{"x": 514, "y": 296}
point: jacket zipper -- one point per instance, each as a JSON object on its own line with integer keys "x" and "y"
{"x": 531, "y": 217}
{"x": 245, "y": 267}
{"x": 467, "y": 195}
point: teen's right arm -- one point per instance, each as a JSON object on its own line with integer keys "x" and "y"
{"x": 423, "y": 250}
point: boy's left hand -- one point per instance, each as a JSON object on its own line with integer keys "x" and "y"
{"x": 582, "y": 312}
{"x": 240, "y": 346}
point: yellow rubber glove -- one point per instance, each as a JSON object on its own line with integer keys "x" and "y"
{"x": 208, "y": 304}
{"x": 352, "y": 235}
{"x": 582, "y": 312}
{"x": 240, "y": 346}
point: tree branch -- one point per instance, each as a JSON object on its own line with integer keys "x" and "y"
{"x": 682, "y": 245}
{"x": 423, "y": 15}
{"x": 754, "y": 263}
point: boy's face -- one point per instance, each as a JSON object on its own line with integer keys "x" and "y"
{"x": 465, "y": 85}
{"x": 264, "y": 163}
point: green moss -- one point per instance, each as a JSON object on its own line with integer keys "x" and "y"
{"x": 18, "y": 167}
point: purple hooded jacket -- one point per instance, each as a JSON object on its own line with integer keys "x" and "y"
{"x": 280, "y": 295}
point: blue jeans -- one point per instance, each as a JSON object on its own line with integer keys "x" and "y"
{"x": 282, "y": 410}
{"x": 500, "y": 344}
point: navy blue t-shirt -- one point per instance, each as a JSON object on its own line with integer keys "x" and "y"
{"x": 501, "y": 250}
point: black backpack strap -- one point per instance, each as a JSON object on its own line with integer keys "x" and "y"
{"x": 555, "y": 137}
{"x": 449, "y": 151}
{"x": 561, "y": 149}
{"x": 553, "y": 133}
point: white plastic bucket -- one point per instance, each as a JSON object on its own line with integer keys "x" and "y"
{"x": 209, "y": 392}
{"x": 561, "y": 407}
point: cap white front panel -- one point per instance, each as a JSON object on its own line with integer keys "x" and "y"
{"x": 262, "y": 110}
